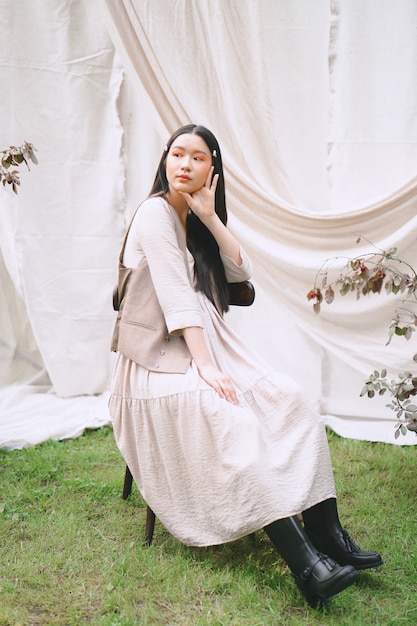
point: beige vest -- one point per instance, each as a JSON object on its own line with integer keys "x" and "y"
{"x": 140, "y": 331}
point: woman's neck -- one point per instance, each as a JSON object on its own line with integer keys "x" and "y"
{"x": 180, "y": 205}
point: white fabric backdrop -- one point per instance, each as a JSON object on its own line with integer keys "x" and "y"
{"x": 314, "y": 107}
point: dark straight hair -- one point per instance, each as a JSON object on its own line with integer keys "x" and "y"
{"x": 209, "y": 273}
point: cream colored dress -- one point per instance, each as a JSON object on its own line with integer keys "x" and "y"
{"x": 211, "y": 471}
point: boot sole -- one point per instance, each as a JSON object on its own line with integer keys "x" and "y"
{"x": 369, "y": 565}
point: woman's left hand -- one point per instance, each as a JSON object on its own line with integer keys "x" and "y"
{"x": 221, "y": 383}
{"x": 202, "y": 201}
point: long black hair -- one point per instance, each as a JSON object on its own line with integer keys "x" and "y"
{"x": 209, "y": 273}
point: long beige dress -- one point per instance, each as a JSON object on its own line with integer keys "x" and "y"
{"x": 211, "y": 471}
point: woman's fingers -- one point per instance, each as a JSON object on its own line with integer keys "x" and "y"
{"x": 209, "y": 177}
{"x": 201, "y": 201}
{"x": 225, "y": 390}
{"x": 214, "y": 183}
{"x": 211, "y": 181}
{"x": 218, "y": 381}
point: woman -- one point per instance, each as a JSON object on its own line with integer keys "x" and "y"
{"x": 219, "y": 444}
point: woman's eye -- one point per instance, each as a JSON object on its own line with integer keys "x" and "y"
{"x": 176, "y": 154}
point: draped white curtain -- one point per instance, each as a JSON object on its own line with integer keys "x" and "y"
{"x": 314, "y": 105}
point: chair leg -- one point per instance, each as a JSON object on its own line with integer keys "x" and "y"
{"x": 127, "y": 486}
{"x": 150, "y": 515}
{"x": 150, "y": 525}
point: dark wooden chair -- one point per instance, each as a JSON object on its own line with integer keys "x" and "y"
{"x": 241, "y": 294}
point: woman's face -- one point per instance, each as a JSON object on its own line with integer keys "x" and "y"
{"x": 188, "y": 163}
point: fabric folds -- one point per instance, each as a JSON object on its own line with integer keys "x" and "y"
{"x": 314, "y": 108}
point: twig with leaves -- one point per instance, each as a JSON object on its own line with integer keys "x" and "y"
{"x": 368, "y": 274}
{"x": 14, "y": 157}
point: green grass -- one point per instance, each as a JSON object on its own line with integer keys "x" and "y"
{"x": 71, "y": 550}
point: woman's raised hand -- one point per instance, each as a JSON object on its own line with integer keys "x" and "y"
{"x": 202, "y": 201}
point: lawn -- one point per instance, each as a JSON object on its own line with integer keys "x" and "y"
{"x": 72, "y": 552}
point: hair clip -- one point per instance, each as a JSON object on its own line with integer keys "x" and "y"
{"x": 165, "y": 148}
{"x": 214, "y": 153}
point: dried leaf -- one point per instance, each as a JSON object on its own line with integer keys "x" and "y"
{"x": 329, "y": 295}
{"x": 364, "y": 391}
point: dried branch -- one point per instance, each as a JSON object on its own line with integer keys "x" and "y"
{"x": 14, "y": 157}
{"x": 369, "y": 274}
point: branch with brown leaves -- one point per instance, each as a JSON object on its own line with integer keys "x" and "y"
{"x": 14, "y": 157}
{"x": 366, "y": 275}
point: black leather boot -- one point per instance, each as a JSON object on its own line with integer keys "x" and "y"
{"x": 322, "y": 525}
{"x": 318, "y": 577}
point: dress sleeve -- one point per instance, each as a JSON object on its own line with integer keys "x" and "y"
{"x": 156, "y": 240}
{"x": 237, "y": 273}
